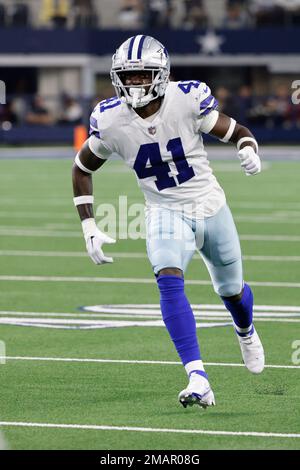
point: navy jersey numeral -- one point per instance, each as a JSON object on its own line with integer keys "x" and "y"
{"x": 186, "y": 86}
{"x": 160, "y": 169}
{"x": 110, "y": 103}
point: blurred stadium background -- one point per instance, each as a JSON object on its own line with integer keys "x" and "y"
{"x": 55, "y": 58}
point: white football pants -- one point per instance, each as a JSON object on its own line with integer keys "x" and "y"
{"x": 173, "y": 238}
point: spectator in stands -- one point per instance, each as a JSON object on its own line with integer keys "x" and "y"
{"x": 236, "y": 15}
{"x": 4, "y": 112}
{"x": 131, "y": 14}
{"x": 243, "y": 103}
{"x": 84, "y": 14}
{"x": 223, "y": 96}
{"x": 157, "y": 13}
{"x": 278, "y": 106}
{"x": 2, "y": 16}
{"x": 18, "y": 108}
{"x": 19, "y": 101}
{"x": 195, "y": 15}
{"x": 55, "y": 12}
{"x": 38, "y": 113}
{"x": 267, "y": 12}
{"x": 72, "y": 111}
{"x": 19, "y": 15}
{"x": 291, "y": 11}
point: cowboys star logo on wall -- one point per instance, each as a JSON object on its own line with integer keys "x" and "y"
{"x": 152, "y": 130}
{"x": 210, "y": 43}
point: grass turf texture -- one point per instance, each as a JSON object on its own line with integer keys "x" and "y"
{"x": 37, "y": 196}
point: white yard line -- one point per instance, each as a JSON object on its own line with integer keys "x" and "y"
{"x": 263, "y": 311}
{"x": 31, "y": 232}
{"x": 95, "y": 427}
{"x": 100, "y": 316}
{"x": 129, "y": 280}
{"x": 294, "y": 205}
{"x": 270, "y": 238}
{"x": 266, "y": 220}
{"x": 251, "y": 218}
{"x": 51, "y": 254}
{"x": 25, "y": 215}
{"x": 66, "y": 201}
{"x": 131, "y": 361}
{"x": 277, "y": 259}
{"x": 39, "y": 232}
{"x": 153, "y": 308}
{"x": 130, "y": 255}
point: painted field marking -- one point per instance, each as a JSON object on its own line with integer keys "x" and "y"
{"x": 132, "y": 361}
{"x": 38, "y": 215}
{"x": 147, "y": 307}
{"x": 251, "y": 218}
{"x": 31, "y": 232}
{"x": 153, "y": 310}
{"x": 265, "y": 220}
{"x": 293, "y": 205}
{"x": 130, "y": 255}
{"x": 66, "y": 202}
{"x": 59, "y": 323}
{"x": 13, "y": 318}
{"x": 95, "y": 427}
{"x": 129, "y": 280}
{"x": 134, "y": 315}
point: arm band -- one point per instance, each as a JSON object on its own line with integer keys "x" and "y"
{"x": 246, "y": 139}
{"x": 83, "y": 200}
{"x": 229, "y": 133}
{"x": 81, "y": 166}
{"x": 208, "y": 122}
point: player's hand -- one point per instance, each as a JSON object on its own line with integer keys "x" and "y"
{"x": 250, "y": 161}
{"x": 94, "y": 240}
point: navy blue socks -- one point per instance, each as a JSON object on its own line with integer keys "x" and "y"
{"x": 179, "y": 319}
{"x": 242, "y": 312}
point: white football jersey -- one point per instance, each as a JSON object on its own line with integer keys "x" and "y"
{"x": 166, "y": 150}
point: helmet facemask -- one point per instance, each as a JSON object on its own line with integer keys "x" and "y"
{"x": 140, "y": 95}
{"x": 140, "y": 54}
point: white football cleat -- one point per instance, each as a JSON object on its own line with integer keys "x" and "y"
{"x": 252, "y": 352}
{"x": 198, "y": 392}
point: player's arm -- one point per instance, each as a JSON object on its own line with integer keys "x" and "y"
{"x": 84, "y": 165}
{"x": 86, "y": 162}
{"x": 228, "y": 130}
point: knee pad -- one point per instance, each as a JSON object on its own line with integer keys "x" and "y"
{"x": 229, "y": 289}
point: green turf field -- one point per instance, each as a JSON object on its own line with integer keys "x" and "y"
{"x": 44, "y": 271}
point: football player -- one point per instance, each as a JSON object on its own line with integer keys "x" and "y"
{"x": 155, "y": 125}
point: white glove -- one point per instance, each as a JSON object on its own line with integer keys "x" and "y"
{"x": 250, "y": 161}
{"x": 94, "y": 239}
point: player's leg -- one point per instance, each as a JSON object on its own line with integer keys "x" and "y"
{"x": 222, "y": 255}
{"x": 170, "y": 246}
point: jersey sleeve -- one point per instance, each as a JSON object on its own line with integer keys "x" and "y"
{"x": 97, "y": 142}
{"x": 206, "y": 112}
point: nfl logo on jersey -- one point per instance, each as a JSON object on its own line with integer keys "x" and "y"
{"x": 152, "y": 130}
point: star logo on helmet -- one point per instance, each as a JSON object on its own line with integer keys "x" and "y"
{"x": 152, "y": 130}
